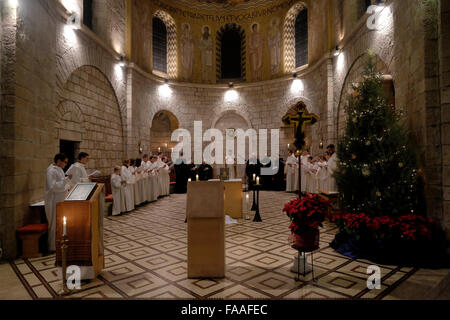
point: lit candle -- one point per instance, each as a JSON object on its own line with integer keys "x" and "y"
{"x": 246, "y": 206}
{"x": 64, "y": 227}
{"x": 166, "y": 145}
{"x": 197, "y": 178}
{"x": 189, "y": 179}
{"x": 288, "y": 145}
{"x": 159, "y": 149}
{"x": 254, "y": 177}
{"x": 257, "y": 180}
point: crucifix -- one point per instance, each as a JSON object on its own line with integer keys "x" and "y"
{"x": 299, "y": 122}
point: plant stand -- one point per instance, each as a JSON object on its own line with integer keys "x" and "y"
{"x": 302, "y": 252}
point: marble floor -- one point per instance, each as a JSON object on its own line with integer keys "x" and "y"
{"x": 146, "y": 251}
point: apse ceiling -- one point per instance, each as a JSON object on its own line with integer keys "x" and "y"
{"x": 221, "y": 4}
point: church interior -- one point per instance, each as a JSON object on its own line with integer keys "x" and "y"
{"x": 116, "y": 175}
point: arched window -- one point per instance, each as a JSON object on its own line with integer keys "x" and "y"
{"x": 301, "y": 38}
{"x": 295, "y": 37}
{"x": 165, "y": 44}
{"x": 230, "y": 53}
{"x": 159, "y": 45}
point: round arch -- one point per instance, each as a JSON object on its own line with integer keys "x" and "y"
{"x": 163, "y": 124}
{"x": 354, "y": 76}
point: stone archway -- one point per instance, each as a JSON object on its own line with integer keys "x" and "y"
{"x": 354, "y": 76}
{"x": 163, "y": 124}
{"x": 89, "y": 114}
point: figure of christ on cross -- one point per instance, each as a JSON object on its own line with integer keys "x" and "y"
{"x": 299, "y": 122}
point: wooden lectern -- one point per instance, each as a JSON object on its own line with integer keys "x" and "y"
{"x": 206, "y": 229}
{"x": 84, "y": 232}
{"x": 233, "y": 198}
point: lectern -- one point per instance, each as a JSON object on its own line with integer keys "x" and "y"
{"x": 206, "y": 229}
{"x": 84, "y": 229}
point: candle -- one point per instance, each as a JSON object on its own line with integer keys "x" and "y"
{"x": 65, "y": 227}
{"x": 197, "y": 178}
{"x": 166, "y": 145}
{"x": 257, "y": 180}
{"x": 159, "y": 149}
{"x": 254, "y": 177}
{"x": 288, "y": 145}
{"x": 189, "y": 179}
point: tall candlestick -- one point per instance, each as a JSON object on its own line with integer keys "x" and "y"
{"x": 246, "y": 207}
{"x": 254, "y": 177}
{"x": 257, "y": 180}
{"x": 197, "y": 178}
{"x": 64, "y": 227}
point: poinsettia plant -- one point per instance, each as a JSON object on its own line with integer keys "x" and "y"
{"x": 405, "y": 227}
{"x": 307, "y": 212}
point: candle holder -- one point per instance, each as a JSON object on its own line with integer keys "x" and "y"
{"x": 64, "y": 248}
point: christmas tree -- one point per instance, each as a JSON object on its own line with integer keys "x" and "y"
{"x": 377, "y": 171}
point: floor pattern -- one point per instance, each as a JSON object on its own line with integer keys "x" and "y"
{"x": 145, "y": 258}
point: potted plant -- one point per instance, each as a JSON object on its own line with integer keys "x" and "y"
{"x": 306, "y": 215}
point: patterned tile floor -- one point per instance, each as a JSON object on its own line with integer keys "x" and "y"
{"x": 146, "y": 251}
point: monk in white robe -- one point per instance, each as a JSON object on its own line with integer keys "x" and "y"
{"x": 127, "y": 176}
{"x": 291, "y": 166}
{"x": 164, "y": 177}
{"x": 303, "y": 167}
{"x": 332, "y": 167}
{"x": 146, "y": 185}
{"x": 78, "y": 170}
{"x": 155, "y": 187}
{"x": 56, "y": 187}
{"x": 117, "y": 186}
{"x": 322, "y": 174}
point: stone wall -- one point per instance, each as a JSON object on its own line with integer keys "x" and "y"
{"x": 59, "y": 82}
{"x": 89, "y": 113}
{"x": 445, "y": 105}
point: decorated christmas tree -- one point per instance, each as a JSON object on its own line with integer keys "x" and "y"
{"x": 377, "y": 170}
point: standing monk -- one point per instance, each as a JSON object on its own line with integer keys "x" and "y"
{"x": 56, "y": 186}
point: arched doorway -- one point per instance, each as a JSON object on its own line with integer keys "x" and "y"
{"x": 163, "y": 124}
{"x": 232, "y": 120}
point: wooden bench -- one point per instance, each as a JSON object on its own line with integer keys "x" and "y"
{"x": 30, "y": 235}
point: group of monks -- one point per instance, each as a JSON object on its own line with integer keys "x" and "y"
{"x": 316, "y": 173}
{"x": 139, "y": 181}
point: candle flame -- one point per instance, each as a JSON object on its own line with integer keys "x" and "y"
{"x": 65, "y": 220}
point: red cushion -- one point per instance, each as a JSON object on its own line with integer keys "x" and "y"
{"x": 34, "y": 228}
{"x": 109, "y": 198}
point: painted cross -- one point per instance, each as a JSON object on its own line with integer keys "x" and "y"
{"x": 299, "y": 122}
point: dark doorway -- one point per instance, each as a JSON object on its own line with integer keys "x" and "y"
{"x": 70, "y": 149}
{"x": 231, "y": 55}
{"x": 87, "y": 13}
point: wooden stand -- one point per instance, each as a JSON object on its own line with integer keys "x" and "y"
{"x": 206, "y": 229}
{"x": 233, "y": 198}
{"x": 85, "y": 233}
